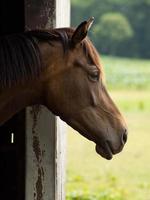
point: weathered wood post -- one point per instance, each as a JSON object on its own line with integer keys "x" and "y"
{"x": 45, "y": 133}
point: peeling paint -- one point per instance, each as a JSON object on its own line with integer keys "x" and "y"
{"x": 39, "y": 183}
{"x": 34, "y": 195}
{"x": 36, "y": 148}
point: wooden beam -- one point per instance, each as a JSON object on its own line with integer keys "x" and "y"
{"x": 45, "y": 133}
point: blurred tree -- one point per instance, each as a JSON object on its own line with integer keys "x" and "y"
{"x": 137, "y": 15}
{"x": 112, "y": 30}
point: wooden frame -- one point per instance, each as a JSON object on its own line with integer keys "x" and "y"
{"x": 41, "y": 140}
{"x": 45, "y": 133}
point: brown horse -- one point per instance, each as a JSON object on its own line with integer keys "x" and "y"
{"x": 60, "y": 69}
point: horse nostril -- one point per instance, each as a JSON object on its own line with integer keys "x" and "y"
{"x": 124, "y": 137}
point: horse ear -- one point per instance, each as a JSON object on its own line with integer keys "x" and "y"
{"x": 81, "y": 31}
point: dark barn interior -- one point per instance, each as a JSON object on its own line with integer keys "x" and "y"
{"x": 17, "y": 16}
{"x": 12, "y": 133}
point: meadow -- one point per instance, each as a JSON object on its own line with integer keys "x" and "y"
{"x": 127, "y": 175}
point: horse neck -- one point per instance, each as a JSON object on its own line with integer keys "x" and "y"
{"x": 15, "y": 99}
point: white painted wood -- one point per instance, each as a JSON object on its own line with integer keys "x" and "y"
{"x": 62, "y": 20}
{"x": 62, "y": 13}
{"x": 46, "y": 140}
{"x": 40, "y": 154}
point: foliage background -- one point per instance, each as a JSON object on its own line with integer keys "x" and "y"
{"x": 136, "y": 13}
{"x": 127, "y": 175}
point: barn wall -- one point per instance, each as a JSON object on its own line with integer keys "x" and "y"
{"x": 45, "y": 133}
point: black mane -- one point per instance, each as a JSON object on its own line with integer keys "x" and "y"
{"x": 20, "y": 57}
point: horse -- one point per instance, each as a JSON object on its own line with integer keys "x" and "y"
{"x": 60, "y": 69}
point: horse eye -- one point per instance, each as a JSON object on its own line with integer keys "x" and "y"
{"x": 94, "y": 76}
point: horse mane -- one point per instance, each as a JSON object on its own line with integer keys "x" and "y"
{"x": 20, "y": 57}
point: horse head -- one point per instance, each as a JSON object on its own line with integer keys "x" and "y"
{"x": 75, "y": 91}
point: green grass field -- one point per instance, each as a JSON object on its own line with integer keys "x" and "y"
{"x": 127, "y": 175}
{"x": 124, "y": 73}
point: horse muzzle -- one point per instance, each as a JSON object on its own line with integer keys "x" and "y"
{"x": 107, "y": 150}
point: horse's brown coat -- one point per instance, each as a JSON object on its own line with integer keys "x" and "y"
{"x": 70, "y": 84}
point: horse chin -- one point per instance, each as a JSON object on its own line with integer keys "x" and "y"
{"x": 104, "y": 148}
{"x": 104, "y": 151}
